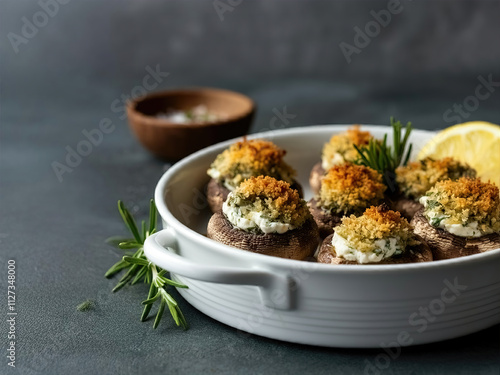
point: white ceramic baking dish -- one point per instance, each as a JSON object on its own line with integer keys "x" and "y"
{"x": 304, "y": 302}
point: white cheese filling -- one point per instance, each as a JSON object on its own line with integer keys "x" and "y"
{"x": 469, "y": 230}
{"x": 337, "y": 159}
{"x": 385, "y": 248}
{"x": 246, "y": 219}
{"x": 438, "y": 220}
{"x": 214, "y": 173}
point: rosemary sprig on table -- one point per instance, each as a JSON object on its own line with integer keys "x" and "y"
{"x": 140, "y": 268}
{"x": 385, "y": 159}
{"x": 86, "y": 305}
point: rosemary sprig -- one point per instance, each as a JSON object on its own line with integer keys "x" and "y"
{"x": 385, "y": 159}
{"x": 86, "y": 305}
{"x": 140, "y": 268}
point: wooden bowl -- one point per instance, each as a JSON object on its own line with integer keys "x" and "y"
{"x": 172, "y": 141}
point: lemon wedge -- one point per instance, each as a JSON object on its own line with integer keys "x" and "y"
{"x": 475, "y": 143}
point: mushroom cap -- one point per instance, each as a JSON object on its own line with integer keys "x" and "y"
{"x": 406, "y": 206}
{"x": 350, "y": 187}
{"x": 297, "y": 244}
{"x": 416, "y": 178}
{"x": 326, "y": 221}
{"x": 343, "y": 144}
{"x": 412, "y": 254}
{"x": 466, "y": 200}
{"x": 217, "y": 194}
{"x": 445, "y": 245}
{"x": 251, "y": 158}
{"x": 317, "y": 172}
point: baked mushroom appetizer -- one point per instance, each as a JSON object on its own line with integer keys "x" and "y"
{"x": 345, "y": 190}
{"x": 337, "y": 151}
{"x": 460, "y": 218}
{"x": 266, "y": 216}
{"x": 379, "y": 236}
{"x": 242, "y": 160}
{"x": 416, "y": 178}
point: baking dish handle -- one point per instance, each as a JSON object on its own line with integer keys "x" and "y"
{"x": 275, "y": 290}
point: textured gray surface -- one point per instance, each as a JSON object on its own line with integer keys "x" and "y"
{"x": 65, "y": 79}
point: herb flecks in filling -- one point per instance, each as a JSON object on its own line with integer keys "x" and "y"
{"x": 416, "y": 178}
{"x": 250, "y": 158}
{"x": 378, "y": 234}
{"x": 340, "y": 147}
{"x": 350, "y": 188}
{"x": 265, "y": 205}
{"x": 466, "y": 207}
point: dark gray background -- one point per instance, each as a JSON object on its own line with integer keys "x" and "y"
{"x": 281, "y": 53}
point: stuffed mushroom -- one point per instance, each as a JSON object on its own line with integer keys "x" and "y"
{"x": 346, "y": 189}
{"x": 460, "y": 218}
{"x": 416, "y": 178}
{"x": 379, "y": 236}
{"x": 266, "y": 216}
{"x": 242, "y": 160}
{"x": 337, "y": 151}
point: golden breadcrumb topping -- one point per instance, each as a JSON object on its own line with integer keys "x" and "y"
{"x": 340, "y": 148}
{"x": 250, "y": 158}
{"x": 464, "y": 201}
{"x": 350, "y": 188}
{"x": 274, "y": 198}
{"x": 417, "y": 177}
{"x": 376, "y": 223}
